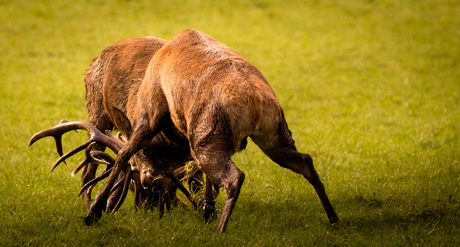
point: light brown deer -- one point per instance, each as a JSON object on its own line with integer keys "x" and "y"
{"x": 198, "y": 89}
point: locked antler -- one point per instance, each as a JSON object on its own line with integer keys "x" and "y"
{"x": 92, "y": 156}
{"x": 115, "y": 143}
{"x": 65, "y": 126}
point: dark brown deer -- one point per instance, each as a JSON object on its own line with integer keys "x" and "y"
{"x": 198, "y": 89}
{"x": 112, "y": 78}
{"x": 166, "y": 186}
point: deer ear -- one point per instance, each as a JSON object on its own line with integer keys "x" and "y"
{"x": 122, "y": 122}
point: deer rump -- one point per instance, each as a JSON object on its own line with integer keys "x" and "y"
{"x": 198, "y": 89}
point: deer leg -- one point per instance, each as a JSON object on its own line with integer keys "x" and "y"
{"x": 209, "y": 206}
{"x": 303, "y": 164}
{"x": 167, "y": 198}
{"x": 221, "y": 170}
{"x": 162, "y": 202}
{"x": 232, "y": 185}
{"x": 276, "y": 142}
{"x": 89, "y": 172}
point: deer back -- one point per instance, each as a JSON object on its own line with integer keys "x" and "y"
{"x": 116, "y": 74}
{"x": 197, "y": 79}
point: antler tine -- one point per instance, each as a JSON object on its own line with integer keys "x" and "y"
{"x": 92, "y": 157}
{"x": 117, "y": 138}
{"x": 48, "y": 132}
{"x": 70, "y": 153}
{"x": 127, "y": 180}
{"x": 95, "y": 180}
{"x": 98, "y": 157}
{"x": 118, "y": 184}
{"x": 55, "y": 132}
{"x": 63, "y": 127}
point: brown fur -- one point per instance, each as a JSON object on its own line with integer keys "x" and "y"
{"x": 112, "y": 79}
{"x": 201, "y": 90}
{"x": 115, "y": 75}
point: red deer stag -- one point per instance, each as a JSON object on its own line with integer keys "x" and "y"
{"x": 112, "y": 80}
{"x": 201, "y": 90}
{"x": 113, "y": 77}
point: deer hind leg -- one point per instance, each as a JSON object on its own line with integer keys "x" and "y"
{"x": 89, "y": 172}
{"x": 221, "y": 170}
{"x": 280, "y": 148}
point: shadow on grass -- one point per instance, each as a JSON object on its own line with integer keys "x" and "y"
{"x": 358, "y": 216}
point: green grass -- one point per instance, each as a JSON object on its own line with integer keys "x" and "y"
{"x": 371, "y": 89}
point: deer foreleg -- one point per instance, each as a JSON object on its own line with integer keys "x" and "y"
{"x": 182, "y": 188}
{"x": 209, "y": 205}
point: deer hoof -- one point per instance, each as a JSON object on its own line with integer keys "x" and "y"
{"x": 89, "y": 220}
{"x": 94, "y": 213}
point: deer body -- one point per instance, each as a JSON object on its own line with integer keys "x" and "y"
{"x": 198, "y": 89}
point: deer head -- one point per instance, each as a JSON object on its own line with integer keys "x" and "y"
{"x": 137, "y": 165}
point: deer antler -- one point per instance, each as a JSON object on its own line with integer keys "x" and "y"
{"x": 63, "y": 127}
{"x": 94, "y": 157}
{"x": 115, "y": 143}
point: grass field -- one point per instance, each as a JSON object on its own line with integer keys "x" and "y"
{"x": 371, "y": 89}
